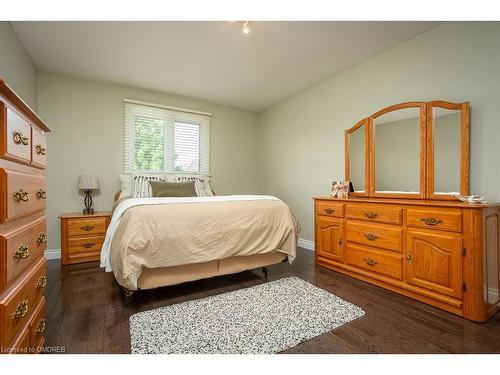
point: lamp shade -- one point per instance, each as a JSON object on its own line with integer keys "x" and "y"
{"x": 87, "y": 182}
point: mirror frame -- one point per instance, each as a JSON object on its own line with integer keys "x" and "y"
{"x": 464, "y": 109}
{"x": 349, "y": 131}
{"x": 422, "y": 193}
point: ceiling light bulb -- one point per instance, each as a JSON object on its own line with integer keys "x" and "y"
{"x": 245, "y": 28}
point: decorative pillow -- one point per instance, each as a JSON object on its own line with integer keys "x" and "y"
{"x": 173, "y": 189}
{"x": 208, "y": 189}
{"x": 142, "y": 187}
{"x": 126, "y": 185}
{"x": 201, "y": 185}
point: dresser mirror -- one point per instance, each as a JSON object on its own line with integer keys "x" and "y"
{"x": 447, "y": 149}
{"x": 410, "y": 150}
{"x": 356, "y": 141}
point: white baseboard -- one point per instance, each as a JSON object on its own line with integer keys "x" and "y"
{"x": 306, "y": 244}
{"x": 53, "y": 254}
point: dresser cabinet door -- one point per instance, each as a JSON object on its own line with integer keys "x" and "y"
{"x": 329, "y": 233}
{"x": 434, "y": 261}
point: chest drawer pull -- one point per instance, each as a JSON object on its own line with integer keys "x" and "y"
{"x": 370, "y": 261}
{"x": 40, "y": 327}
{"x": 40, "y": 150}
{"x": 40, "y": 194}
{"x": 22, "y": 253}
{"x": 329, "y": 210}
{"x": 371, "y": 215}
{"x": 20, "y": 138}
{"x": 88, "y": 245}
{"x": 21, "y": 310}
{"x": 21, "y": 195}
{"x": 431, "y": 221}
{"x": 41, "y": 283}
{"x": 41, "y": 238}
{"x": 371, "y": 236}
{"x": 87, "y": 228}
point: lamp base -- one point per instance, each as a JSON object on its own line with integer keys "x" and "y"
{"x": 88, "y": 210}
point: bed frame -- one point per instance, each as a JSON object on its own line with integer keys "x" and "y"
{"x": 151, "y": 278}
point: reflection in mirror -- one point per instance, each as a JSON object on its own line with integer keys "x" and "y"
{"x": 357, "y": 159}
{"x": 397, "y": 151}
{"x": 447, "y": 127}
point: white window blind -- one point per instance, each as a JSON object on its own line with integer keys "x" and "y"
{"x": 162, "y": 140}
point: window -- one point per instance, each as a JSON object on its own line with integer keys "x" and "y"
{"x": 162, "y": 140}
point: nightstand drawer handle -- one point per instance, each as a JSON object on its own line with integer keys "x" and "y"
{"x": 40, "y": 327}
{"x": 41, "y": 238}
{"x": 40, "y": 150}
{"x": 21, "y": 195}
{"x": 370, "y": 261}
{"x": 21, "y": 310}
{"x": 431, "y": 221}
{"x": 87, "y": 228}
{"x": 329, "y": 210}
{"x": 41, "y": 194}
{"x": 22, "y": 253}
{"x": 41, "y": 283}
{"x": 371, "y": 215}
{"x": 19, "y": 138}
{"x": 371, "y": 236}
{"x": 88, "y": 245}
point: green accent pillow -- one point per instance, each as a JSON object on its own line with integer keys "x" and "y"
{"x": 173, "y": 189}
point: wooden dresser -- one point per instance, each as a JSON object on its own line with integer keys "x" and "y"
{"x": 82, "y": 236}
{"x": 23, "y": 226}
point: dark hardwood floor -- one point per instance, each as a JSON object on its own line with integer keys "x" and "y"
{"x": 88, "y": 313}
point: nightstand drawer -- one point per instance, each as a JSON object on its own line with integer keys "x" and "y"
{"x": 85, "y": 244}
{"x": 91, "y": 226}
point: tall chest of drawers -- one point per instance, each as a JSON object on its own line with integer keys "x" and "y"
{"x": 23, "y": 226}
{"x": 443, "y": 253}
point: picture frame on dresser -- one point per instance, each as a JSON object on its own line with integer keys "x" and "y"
{"x": 23, "y": 226}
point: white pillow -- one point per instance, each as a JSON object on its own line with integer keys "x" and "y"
{"x": 126, "y": 185}
{"x": 208, "y": 189}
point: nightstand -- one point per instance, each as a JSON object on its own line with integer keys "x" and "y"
{"x": 82, "y": 236}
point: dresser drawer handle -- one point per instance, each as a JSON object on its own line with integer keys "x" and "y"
{"x": 22, "y": 253}
{"x": 41, "y": 238}
{"x": 431, "y": 221}
{"x": 19, "y": 138}
{"x": 329, "y": 210}
{"x": 41, "y": 283}
{"x": 371, "y": 236}
{"x": 370, "y": 261}
{"x": 41, "y": 194}
{"x": 88, "y": 245}
{"x": 371, "y": 215}
{"x": 40, "y": 150}
{"x": 21, "y": 195}
{"x": 87, "y": 228}
{"x": 40, "y": 327}
{"x": 21, "y": 310}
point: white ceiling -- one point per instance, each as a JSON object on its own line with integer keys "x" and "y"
{"x": 213, "y": 61}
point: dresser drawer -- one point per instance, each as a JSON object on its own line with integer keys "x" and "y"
{"x": 22, "y": 248}
{"x": 38, "y": 148}
{"x": 85, "y": 249}
{"x": 435, "y": 219}
{"x": 18, "y": 304}
{"x": 329, "y": 208}
{"x": 16, "y": 135}
{"x": 25, "y": 194}
{"x": 91, "y": 226}
{"x": 375, "y": 261}
{"x": 379, "y": 213}
{"x": 382, "y": 236}
{"x": 37, "y": 327}
{"x": 22, "y": 343}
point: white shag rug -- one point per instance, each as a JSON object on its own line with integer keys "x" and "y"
{"x": 267, "y": 318}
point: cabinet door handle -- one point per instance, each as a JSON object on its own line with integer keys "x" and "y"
{"x": 329, "y": 210}
{"x": 340, "y": 242}
{"x": 371, "y": 236}
{"x": 409, "y": 257}
{"x": 40, "y": 150}
{"x": 20, "y": 138}
{"x": 371, "y": 215}
{"x": 21, "y": 196}
{"x": 41, "y": 194}
{"x": 370, "y": 261}
{"x": 431, "y": 220}
{"x": 88, "y": 245}
{"x": 21, "y": 310}
{"x": 22, "y": 252}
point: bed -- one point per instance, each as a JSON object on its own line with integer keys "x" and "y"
{"x": 155, "y": 242}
